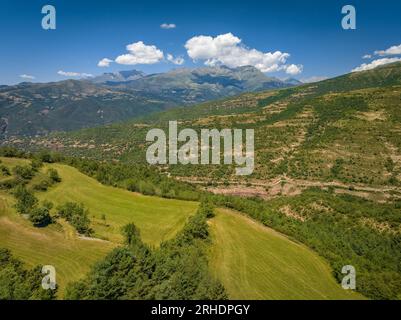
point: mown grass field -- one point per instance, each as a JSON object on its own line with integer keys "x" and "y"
{"x": 158, "y": 219}
{"x": 59, "y": 245}
{"x": 255, "y": 262}
{"x": 72, "y": 257}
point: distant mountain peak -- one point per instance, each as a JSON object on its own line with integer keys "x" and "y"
{"x": 293, "y": 81}
{"x": 120, "y": 76}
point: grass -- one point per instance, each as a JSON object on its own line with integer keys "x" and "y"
{"x": 255, "y": 262}
{"x": 59, "y": 245}
{"x": 72, "y": 257}
{"x": 158, "y": 219}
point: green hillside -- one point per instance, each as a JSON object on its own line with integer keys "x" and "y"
{"x": 158, "y": 219}
{"x": 255, "y": 262}
{"x": 344, "y": 131}
{"x": 234, "y": 239}
{"x": 59, "y": 245}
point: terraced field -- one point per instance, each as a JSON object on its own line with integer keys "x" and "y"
{"x": 255, "y": 262}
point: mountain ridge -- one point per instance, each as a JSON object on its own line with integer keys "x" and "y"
{"x": 40, "y": 108}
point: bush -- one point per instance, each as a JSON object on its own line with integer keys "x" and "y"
{"x": 54, "y": 176}
{"x": 206, "y": 208}
{"x": 9, "y": 183}
{"x": 4, "y": 170}
{"x": 40, "y": 217}
{"x": 26, "y": 201}
{"x": 25, "y": 172}
{"x": 43, "y": 185}
{"x": 36, "y": 164}
{"x": 77, "y": 216}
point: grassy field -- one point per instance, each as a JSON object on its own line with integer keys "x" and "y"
{"x": 158, "y": 219}
{"x": 72, "y": 257}
{"x": 59, "y": 245}
{"x": 255, "y": 262}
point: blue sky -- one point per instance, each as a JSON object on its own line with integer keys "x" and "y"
{"x": 309, "y": 32}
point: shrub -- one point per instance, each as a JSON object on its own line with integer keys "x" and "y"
{"x": 77, "y": 216}
{"x": 26, "y": 201}
{"x": 25, "y": 172}
{"x": 54, "y": 176}
{"x": 4, "y": 170}
{"x": 40, "y": 217}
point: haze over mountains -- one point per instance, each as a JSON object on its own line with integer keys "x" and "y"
{"x": 40, "y": 108}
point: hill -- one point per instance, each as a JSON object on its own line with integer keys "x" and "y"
{"x": 339, "y": 132}
{"x": 327, "y": 165}
{"x": 252, "y": 261}
{"x": 158, "y": 220}
{"x": 59, "y": 245}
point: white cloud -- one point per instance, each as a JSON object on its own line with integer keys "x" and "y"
{"x": 74, "y": 74}
{"x": 104, "y": 63}
{"x": 367, "y": 56}
{"x": 227, "y": 49}
{"x": 394, "y": 50}
{"x": 314, "y": 79}
{"x": 27, "y": 76}
{"x": 375, "y": 64}
{"x": 178, "y": 60}
{"x": 140, "y": 53}
{"x": 168, "y": 26}
{"x": 293, "y": 69}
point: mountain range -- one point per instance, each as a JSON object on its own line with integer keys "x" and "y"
{"x": 338, "y": 129}
{"x": 40, "y": 108}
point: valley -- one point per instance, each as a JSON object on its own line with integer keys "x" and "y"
{"x": 327, "y": 180}
{"x": 159, "y": 220}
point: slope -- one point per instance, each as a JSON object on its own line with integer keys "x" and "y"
{"x": 255, "y": 262}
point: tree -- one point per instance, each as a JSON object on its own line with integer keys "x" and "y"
{"x": 131, "y": 234}
{"x": 18, "y": 283}
{"x": 25, "y": 172}
{"x": 40, "y": 217}
{"x": 54, "y": 176}
{"x": 26, "y": 201}
{"x": 76, "y": 215}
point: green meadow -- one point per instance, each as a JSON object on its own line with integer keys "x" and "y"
{"x": 256, "y": 262}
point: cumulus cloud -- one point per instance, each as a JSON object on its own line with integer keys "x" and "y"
{"x": 178, "y": 60}
{"x": 228, "y": 50}
{"x": 74, "y": 74}
{"x": 293, "y": 69}
{"x": 140, "y": 53}
{"x": 168, "y": 26}
{"x": 314, "y": 79}
{"x": 104, "y": 63}
{"x": 27, "y": 76}
{"x": 375, "y": 64}
{"x": 394, "y": 50}
{"x": 367, "y": 56}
